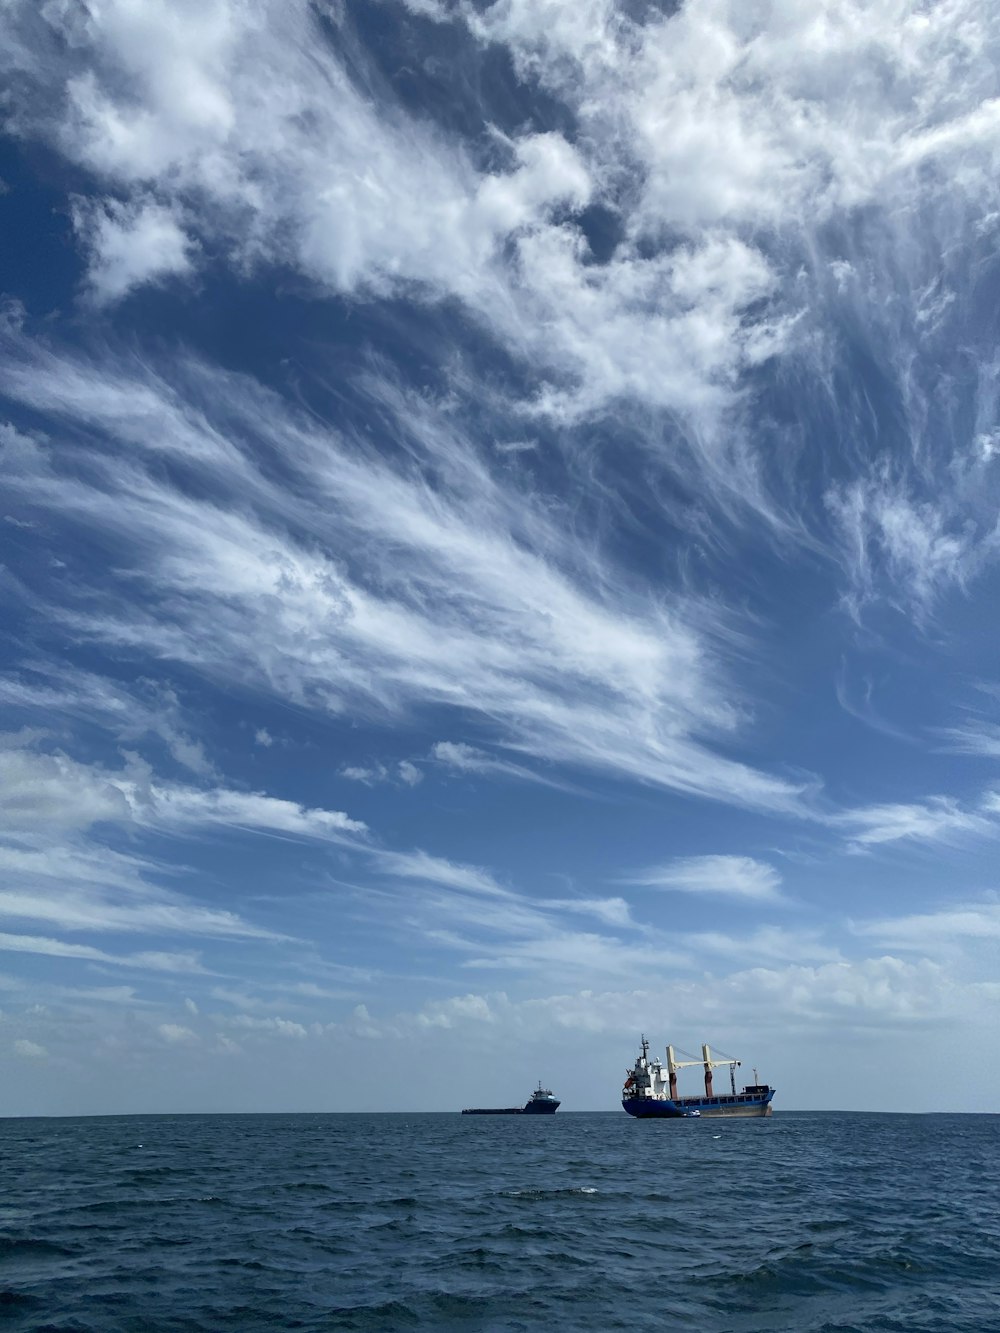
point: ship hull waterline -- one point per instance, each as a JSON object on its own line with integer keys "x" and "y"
{"x": 548, "y": 1108}
{"x": 691, "y": 1108}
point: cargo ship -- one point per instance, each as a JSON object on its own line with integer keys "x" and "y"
{"x": 541, "y": 1102}
{"x": 650, "y": 1090}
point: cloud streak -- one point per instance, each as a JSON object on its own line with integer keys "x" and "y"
{"x": 731, "y": 876}
{"x": 496, "y": 609}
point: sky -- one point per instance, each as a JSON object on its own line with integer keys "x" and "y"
{"x": 499, "y": 550}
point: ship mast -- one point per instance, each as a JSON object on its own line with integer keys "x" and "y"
{"x": 672, "y": 1073}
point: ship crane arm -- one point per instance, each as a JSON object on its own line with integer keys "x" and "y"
{"x": 713, "y": 1064}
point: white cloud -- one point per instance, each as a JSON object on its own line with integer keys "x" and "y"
{"x": 933, "y": 931}
{"x": 613, "y": 912}
{"x": 760, "y": 1006}
{"x": 470, "y": 759}
{"x": 438, "y": 870}
{"x": 186, "y": 808}
{"x": 937, "y": 819}
{"x": 175, "y": 1035}
{"x": 55, "y": 811}
{"x": 767, "y": 944}
{"x": 920, "y": 549}
{"x": 51, "y": 790}
{"x": 281, "y": 1027}
{"x": 544, "y": 948}
{"x": 982, "y": 738}
{"x": 733, "y": 876}
{"x": 371, "y": 774}
{"x": 252, "y": 115}
{"x": 147, "y": 961}
{"x": 151, "y": 913}
{"x": 758, "y": 115}
{"x": 130, "y": 244}
{"x": 358, "y": 773}
{"x": 130, "y": 713}
{"x": 458, "y": 1009}
{"x": 729, "y": 144}
{"x": 496, "y": 608}
{"x": 30, "y": 1050}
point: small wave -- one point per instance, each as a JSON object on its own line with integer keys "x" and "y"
{"x": 10, "y": 1300}
{"x": 145, "y": 1173}
{"x": 17, "y": 1246}
{"x": 389, "y": 1228}
{"x": 389, "y": 1314}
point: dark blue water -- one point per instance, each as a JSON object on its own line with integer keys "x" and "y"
{"x": 804, "y": 1222}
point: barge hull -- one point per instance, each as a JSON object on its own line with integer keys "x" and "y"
{"x": 493, "y": 1110}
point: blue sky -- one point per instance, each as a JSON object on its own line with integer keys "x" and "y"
{"x": 499, "y": 550}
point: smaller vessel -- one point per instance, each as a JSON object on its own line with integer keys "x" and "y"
{"x": 541, "y": 1102}
{"x": 651, "y": 1093}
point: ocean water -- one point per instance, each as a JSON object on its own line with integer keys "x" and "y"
{"x": 443, "y": 1222}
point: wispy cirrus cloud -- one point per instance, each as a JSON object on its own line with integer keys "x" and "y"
{"x": 465, "y": 758}
{"x": 63, "y": 696}
{"x": 153, "y": 913}
{"x": 439, "y": 870}
{"x": 60, "y": 870}
{"x": 912, "y": 551}
{"x": 146, "y": 961}
{"x": 939, "y": 819}
{"x": 731, "y": 876}
{"x": 931, "y": 932}
{"x": 767, "y": 944}
{"x": 42, "y": 789}
{"x": 980, "y": 738}
{"x": 496, "y": 610}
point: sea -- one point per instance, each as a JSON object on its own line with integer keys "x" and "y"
{"x": 578, "y": 1221}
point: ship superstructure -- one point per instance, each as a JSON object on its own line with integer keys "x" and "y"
{"x": 541, "y": 1102}
{"x": 650, "y": 1089}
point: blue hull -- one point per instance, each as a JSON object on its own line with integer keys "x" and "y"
{"x": 684, "y": 1108}
{"x": 646, "y": 1109}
